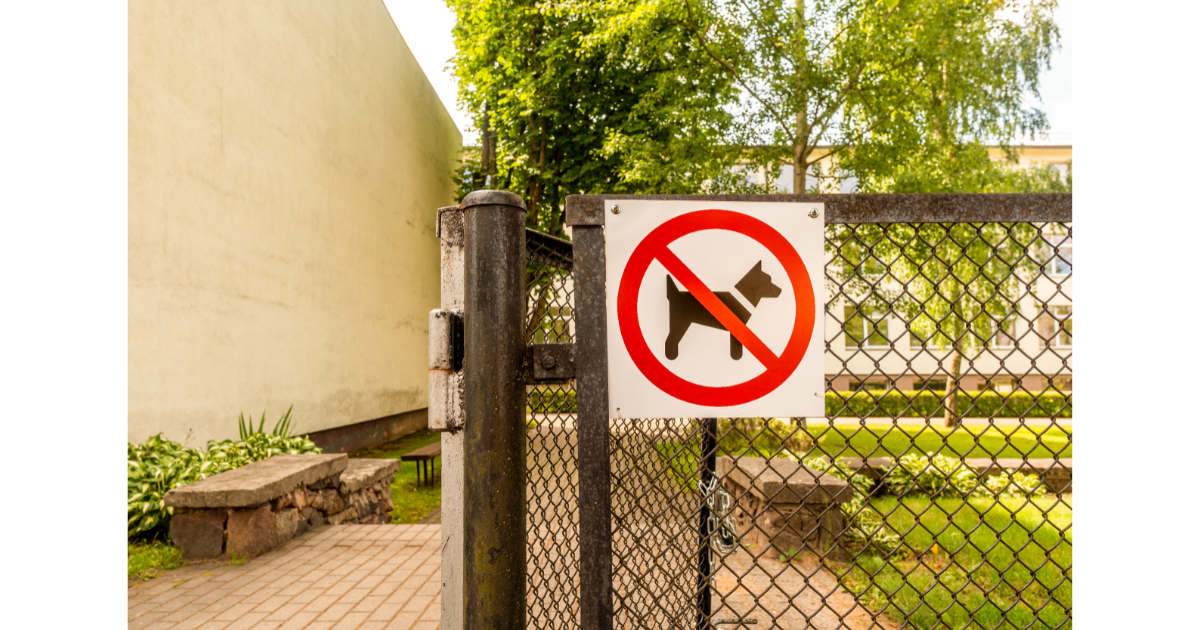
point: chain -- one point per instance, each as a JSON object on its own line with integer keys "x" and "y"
{"x": 722, "y": 528}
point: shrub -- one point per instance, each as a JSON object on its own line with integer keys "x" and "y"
{"x": 160, "y": 464}
{"x": 928, "y": 404}
{"x": 1016, "y": 484}
{"x": 930, "y": 474}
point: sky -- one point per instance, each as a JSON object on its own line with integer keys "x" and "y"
{"x": 426, "y": 26}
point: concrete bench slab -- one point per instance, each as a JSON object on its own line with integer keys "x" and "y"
{"x": 257, "y": 483}
{"x": 779, "y": 480}
{"x": 784, "y": 505}
{"x": 361, "y": 473}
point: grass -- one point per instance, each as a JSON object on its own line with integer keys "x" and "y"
{"x": 881, "y": 440}
{"x": 963, "y": 563}
{"x": 969, "y": 563}
{"x": 411, "y": 502}
{"x": 148, "y": 559}
{"x": 887, "y": 440}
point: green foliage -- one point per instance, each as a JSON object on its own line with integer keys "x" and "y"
{"x": 901, "y": 93}
{"x": 159, "y": 465}
{"x": 587, "y": 97}
{"x": 929, "y": 404}
{"x": 148, "y": 559}
{"x": 1015, "y": 484}
{"x": 551, "y": 400}
{"x": 932, "y": 475}
{"x": 979, "y": 562}
{"x": 282, "y": 426}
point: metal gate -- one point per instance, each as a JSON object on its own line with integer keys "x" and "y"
{"x": 878, "y": 515}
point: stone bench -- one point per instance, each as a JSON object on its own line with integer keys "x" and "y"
{"x": 252, "y": 509}
{"x": 781, "y": 504}
{"x": 1055, "y": 474}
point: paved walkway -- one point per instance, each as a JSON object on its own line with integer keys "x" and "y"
{"x": 367, "y": 577}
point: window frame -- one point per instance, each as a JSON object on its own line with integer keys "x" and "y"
{"x": 849, "y": 312}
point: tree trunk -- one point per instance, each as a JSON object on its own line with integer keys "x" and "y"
{"x": 800, "y": 442}
{"x": 953, "y": 419}
{"x": 800, "y": 145}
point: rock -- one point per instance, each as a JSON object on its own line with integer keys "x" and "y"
{"x": 345, "y": 516}
{"x": 200, "y": 534}
{"x": 282, "y": 502}
{"x": 251, "y": 532}
{"x": 288, "y": 520}
{"x": 318, "y": 501}
{"x": 300, "y": 498}
{"x": 333, "y": 502}
{"x": 307, "y": 512}
{"x": 316, "y": 519}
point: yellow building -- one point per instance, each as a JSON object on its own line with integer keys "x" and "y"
{"x": 285, "y": 164}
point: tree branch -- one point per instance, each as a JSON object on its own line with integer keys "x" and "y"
{"x": 733, "y": 71}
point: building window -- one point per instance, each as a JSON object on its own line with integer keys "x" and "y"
{"x": 868, "y": 386}
{"x": 929, "y": 384}
{"x": 1054, "y": 327}
{"x": 1005, "y": 334}
{"x": 1058, "y": 251}
{"x": 997, "y": 384}
{"x": 866, "y": 327}
{"x": 1061, "y": 383}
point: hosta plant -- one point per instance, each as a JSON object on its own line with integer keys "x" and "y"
{"x": 160, "y": 464}
{"x": 932, "y": 475}
{"x": 1017, "y": 484}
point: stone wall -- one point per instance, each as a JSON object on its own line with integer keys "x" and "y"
{"x": 361, "y": 493}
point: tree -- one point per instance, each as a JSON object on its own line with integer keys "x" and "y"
{"x": 589, "y": 97}
{"x": 957, "y": 286}
{"x": 878, "y": 84}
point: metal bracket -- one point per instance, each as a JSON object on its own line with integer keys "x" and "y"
{"x": 445, "y": 371}
{"x": 550, "y": 361}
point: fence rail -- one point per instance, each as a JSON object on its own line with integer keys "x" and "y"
{"x": 936, "y": 492}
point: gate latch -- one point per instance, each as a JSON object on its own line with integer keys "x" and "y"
{"x": 445, "y": 371}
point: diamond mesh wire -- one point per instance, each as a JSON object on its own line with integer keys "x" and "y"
{"x": 553, "y": 484}
{"x": 935, "y": 493}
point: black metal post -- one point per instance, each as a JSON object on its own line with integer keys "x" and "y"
{"x": 591, "y": 383}
{"x": 708, "y": 468}
{"x": 494, "y": 435}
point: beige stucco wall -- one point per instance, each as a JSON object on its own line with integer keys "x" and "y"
{"x": 286, "y": 159}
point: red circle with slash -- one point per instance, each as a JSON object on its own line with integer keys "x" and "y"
{"x": 654, "y": 247}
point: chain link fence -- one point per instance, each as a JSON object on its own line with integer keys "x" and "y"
{"x": 935, "y": 492}
{"x": 553, "y": 483}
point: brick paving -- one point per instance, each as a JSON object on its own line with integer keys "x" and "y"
{"x": 368, "y": 577}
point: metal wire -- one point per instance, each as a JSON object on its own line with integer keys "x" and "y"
{"x": 552, "y": 488}
{"x": 877, "y": 516}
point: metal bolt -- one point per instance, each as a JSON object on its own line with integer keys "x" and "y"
{"x": 548, "y": 362}
{"x": 616, "y": 209}
{"x": 813, "y": 213}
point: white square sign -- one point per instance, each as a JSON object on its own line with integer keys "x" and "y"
{"x": 715, "y": 309}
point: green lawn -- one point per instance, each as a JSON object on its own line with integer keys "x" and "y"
{"x": 887, "y": 440}
{"x": 411, "y": 502}
{"x": 148, "y": 559}
{"x": 974, "y": 563}
{"x": 881, "y": 440}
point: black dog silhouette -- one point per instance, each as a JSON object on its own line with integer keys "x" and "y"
{"x": 687, "y": 310}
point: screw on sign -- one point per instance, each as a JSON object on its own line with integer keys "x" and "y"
{"x": 777, "y": 260}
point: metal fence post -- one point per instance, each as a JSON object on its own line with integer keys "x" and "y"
{"x": 591, "y": 377}
{"x": 494, "y": 536}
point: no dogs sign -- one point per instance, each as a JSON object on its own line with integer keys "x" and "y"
{"x": 715, "y": 309}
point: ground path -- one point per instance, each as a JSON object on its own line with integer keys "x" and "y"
{"x": 368, "y": 577}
